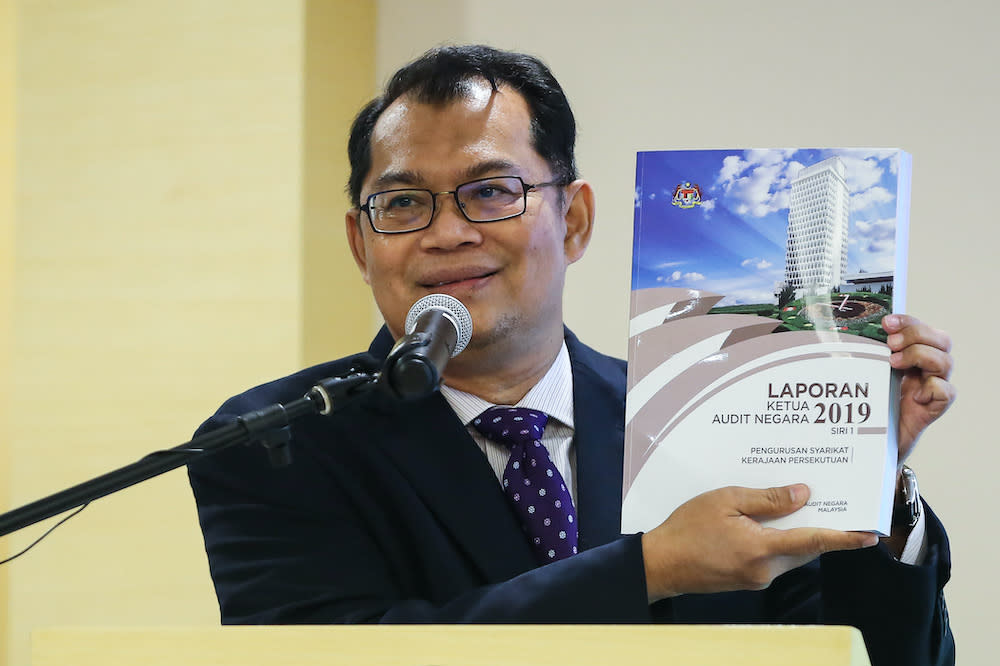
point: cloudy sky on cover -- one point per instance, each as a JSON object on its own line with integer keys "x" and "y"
{"x": 734, "y": 243}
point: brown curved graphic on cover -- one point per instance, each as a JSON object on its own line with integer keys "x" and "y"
{"x": 687, "y": 302}
{"x": 747, "y": 342}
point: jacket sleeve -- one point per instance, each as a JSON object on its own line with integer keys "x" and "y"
{"x": 294, "y": 547}
{"x": 899, "y": 608}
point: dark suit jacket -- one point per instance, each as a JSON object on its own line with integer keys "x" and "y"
{"x": 390, "y": 513}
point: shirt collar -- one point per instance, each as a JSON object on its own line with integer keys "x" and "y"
{"x": 553, "y": 394}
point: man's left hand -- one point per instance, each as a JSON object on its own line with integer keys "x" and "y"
{"x": 923, "y": 354}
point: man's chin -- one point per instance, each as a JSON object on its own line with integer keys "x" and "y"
{"x": 491, "y": 334}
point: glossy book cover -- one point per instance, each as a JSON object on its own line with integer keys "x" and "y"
{"x": 756, "y": 355}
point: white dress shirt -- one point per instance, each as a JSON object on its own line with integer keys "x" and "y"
{"x": 553, "y": 394}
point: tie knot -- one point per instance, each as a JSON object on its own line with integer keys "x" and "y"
{"x": 511, "y": 425}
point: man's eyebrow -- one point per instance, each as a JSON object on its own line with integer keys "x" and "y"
{"x": 391, "y": 178}
{"x": 490, "y": 167}
{"x": 407, "y": 178}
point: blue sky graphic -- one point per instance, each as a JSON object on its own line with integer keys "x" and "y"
{"x": 734, "y": 243}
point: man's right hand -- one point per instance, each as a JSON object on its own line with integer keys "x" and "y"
{"x": 713, "y": 543}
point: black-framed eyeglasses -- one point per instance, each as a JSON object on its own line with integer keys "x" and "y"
{"x": 481, "y": 200}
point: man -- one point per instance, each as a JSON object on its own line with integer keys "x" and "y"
{"x": 463, "y": 183}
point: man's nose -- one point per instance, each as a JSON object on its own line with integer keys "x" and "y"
{"x": 449, "y": 227}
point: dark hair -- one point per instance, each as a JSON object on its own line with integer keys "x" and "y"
{"x": 437, "y": 77}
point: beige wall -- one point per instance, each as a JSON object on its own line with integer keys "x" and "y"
{"x": 644, "y": 75}
{"x": 339, "y": 70}
{"x": 179, "y": 186}
{"x": 7, "y": 92}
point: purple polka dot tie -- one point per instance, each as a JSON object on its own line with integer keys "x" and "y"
{"x": 531, "y": 481}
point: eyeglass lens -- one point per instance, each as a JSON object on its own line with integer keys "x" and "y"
{"x": 483, "y": 200}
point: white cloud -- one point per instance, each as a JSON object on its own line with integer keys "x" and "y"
{"x": 692, "y": 276}
{"x": 768, "y": 157}
{"x": 792, "y": 172}
{"x": 881, "y": 246}
{"x": 862, "y": 173}
{"x": 878, "y": 154}
{"x": 888, "y": 155}
{"x": 754, "y": 191}
{"x": 732, "y": 166}
{"x": 878, "y": 236}
{"x": 877, "y": 229}
{"x": 871, "y": 197}
{"x": 708, "y": 205}
{"x": 756, "y": 262}
{"x": 669, "y": 264}
{"x": 760, "y": 182}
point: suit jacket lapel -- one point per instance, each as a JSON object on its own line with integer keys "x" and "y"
{"x": 434, "y": 451}
{"x": 431, "y": 448}
{"x": 599, "y": 426}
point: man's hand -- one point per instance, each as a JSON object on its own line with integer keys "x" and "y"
{"x": 922, "y": 353}
{"x": 713, "y": 543}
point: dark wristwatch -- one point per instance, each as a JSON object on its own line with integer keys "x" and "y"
{"x": 909, "y": 512}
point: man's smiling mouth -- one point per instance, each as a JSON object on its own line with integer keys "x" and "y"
{"x": 444, "y": 279}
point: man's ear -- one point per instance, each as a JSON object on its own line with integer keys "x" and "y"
{"x": 356, "y": 239}
{"x": 579, "y": 219}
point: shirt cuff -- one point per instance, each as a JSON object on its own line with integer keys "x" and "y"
{"x": 915, "y": 550}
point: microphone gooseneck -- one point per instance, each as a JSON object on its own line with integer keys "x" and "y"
{"x": 438, "y": 327}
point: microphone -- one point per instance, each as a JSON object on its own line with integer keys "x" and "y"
{"x": 438, "y": 327}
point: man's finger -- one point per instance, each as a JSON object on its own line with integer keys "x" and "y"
{"x": 905, "y": 330}
{"x": 930, "y": 360}
{"x": 935, "y": 389}
{"x": 771, "y": 502}
{"x": 810, "y": 542}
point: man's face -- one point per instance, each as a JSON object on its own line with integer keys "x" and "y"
{"x": 508, "y": 273}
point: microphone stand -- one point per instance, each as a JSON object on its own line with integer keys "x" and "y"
{"x": 267, "y": 425}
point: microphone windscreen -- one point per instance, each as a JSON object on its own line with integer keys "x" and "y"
{"x": 452, "y": 308}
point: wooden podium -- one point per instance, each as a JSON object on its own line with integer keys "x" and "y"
{"x": 468, "y": 645}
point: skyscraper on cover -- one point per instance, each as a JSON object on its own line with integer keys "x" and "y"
{"x": 816, "y": 258}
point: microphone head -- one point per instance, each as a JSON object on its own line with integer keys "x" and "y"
{"x": 453, "y": 310}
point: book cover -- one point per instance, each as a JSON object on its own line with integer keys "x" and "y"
{"x": 756, "y": 354}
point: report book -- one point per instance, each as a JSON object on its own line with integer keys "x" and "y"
{"x": 756, "y": 354}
